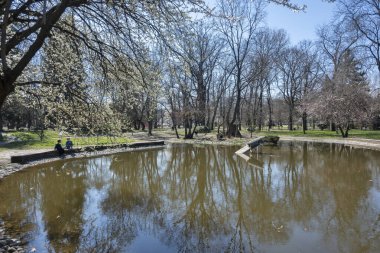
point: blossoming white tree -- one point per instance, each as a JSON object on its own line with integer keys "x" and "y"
{"x": 101, "y": 26}
{"x": 345, "y": 97}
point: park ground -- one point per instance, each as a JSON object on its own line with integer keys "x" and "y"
{"x": 25, "y": 142}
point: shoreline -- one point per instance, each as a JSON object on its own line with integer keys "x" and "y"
{"x": 11, "y": 168}
{"x": 8, "y": 168}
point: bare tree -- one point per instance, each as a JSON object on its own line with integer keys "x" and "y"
{"x": 364, "y": 16}
{"x": 26, "y": 24}
{"x": 199, "y": 48}
{"x": 290, "y": 83}
{"x": 268, "y": 45}
{"x": 238, "y": 27}
{"x": 312, "y": 73}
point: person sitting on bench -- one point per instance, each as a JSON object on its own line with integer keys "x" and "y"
{"x": 69, "y": 144}
{"x": 59, "y": 148}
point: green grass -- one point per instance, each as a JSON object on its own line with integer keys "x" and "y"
{"x": 31, "y": 140}
{"x": 354, "y": 133}
{"x": 366, "y": 134}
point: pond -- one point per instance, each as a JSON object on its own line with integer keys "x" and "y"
{"x": 294, "y": 197}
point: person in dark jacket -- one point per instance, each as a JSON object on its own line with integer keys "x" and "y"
{"x": 59, "y": 148}
{"x": 69, "y": 144}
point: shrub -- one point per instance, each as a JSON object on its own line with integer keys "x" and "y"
{"x": 322, "y": 126}
{"x": 203, "y": 129}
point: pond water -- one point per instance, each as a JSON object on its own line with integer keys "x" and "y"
{"x": 295, "y": 197}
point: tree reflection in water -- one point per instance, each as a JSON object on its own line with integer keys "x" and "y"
{"x": 201, "y": 199}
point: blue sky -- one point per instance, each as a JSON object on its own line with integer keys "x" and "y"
{"x": 300, "y": 25}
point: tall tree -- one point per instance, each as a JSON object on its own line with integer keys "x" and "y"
{"x": 25, "y": 25}
{"x": 311, "y": 76}
{"x": 101, "y": 26}
{"x": 364, "y": 16}
{"x": 290, "y": 83}
{"x": 241, "y": 19}
{"x": 335, "y": 40}
{"x": 268, "y": 46}
{"x": 199, "y": 48}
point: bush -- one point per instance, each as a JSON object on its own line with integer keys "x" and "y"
{"x": 127, "y": 130}
{"x": 203, "y": 129}
{"x": 322, "y": 126}
{"x": 251, "y": 129}
{"x": 23, "y": 136}
{"x": 220, "y": 136}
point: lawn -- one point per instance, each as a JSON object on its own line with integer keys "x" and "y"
{"x": 354, "y": 133}
{"x": 31, "y": 140}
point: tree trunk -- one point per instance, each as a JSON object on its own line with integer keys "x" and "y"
{"x": 174, "y": 125}
{"x": 136, "y": 125}
{"x": 261, "y": 114}
{"x": 344, "y": 132}
{"x": 189, "y": 130}
{"x": 233, "y": 129}
{"x": 176, "y": 132}
{"x": 332, "y": 126}
{"x": 270, "y": 111}
{"x": 5, "y": 90}
{"x": 201, "y": 99}
{"x": 150, "y": 127}
{"x": 304, "y": 122}
{"x": 1, "y": 121}
{"x": 215, "y": 112}
{"x": 290, "y": 120}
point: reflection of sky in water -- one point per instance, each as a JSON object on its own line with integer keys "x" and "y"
{"x": 374, "y": 198}
{"x": 39, "y": 240}
{"x": 146, "y": 243}
{"x": 205, "y": 199}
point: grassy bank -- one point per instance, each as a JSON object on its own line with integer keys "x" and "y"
{"x": 31, "y": 140}
{"x": 365, "y": 134}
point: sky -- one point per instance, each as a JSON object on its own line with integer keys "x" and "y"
{"x": 300, "y": 25}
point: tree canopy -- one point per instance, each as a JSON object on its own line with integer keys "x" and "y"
{"x": 108, "y": 66}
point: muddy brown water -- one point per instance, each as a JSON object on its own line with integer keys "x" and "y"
{"x": 296, "y": 197}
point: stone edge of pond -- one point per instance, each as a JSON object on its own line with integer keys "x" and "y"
{"x": 91, "y": 151}
{"x": 9, "y": 244}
